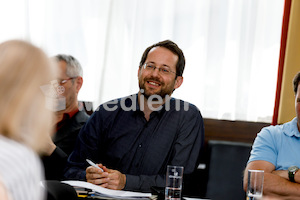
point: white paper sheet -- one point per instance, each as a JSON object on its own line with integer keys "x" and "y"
{"x": 108, "y": 192}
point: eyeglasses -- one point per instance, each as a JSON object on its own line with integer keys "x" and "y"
{"x": 63, "y": 81}
{"x": 162, "y": 70}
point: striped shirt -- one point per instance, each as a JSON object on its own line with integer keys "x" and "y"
{"x": 20, "y": 171}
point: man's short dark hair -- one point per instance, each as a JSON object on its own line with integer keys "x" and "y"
{"x": 296, "y": 82}
{"x": 172, "y": 47}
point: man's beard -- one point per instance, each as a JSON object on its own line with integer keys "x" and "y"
{"x": 163, "y": 92}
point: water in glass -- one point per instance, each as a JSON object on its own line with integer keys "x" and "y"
{"x": 174, "y": 193}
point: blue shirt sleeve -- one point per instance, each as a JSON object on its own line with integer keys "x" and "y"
{"x": 264, "y": 146}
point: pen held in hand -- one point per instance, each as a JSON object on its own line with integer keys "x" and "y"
{"x": 93, "y": 164}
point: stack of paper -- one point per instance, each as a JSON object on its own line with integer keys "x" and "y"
{"x": 104, "y": 193}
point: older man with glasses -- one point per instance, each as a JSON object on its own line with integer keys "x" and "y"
{"x": 134, "y": 138}
{"x": 69, "y": 119}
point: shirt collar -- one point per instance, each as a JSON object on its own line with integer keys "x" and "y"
{"x": 291, "y": 128}
{"x": 72, "y": 113}
{"x": 158, "y": 112}
{"x": 66, "y": 116}
{"x": 69, "y": 115}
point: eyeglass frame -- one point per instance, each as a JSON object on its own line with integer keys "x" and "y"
{"x": 153, "y": 67}
{"x": 63, "y": 81}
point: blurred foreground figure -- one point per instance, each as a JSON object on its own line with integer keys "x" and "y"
{"x": 3, "y": 192}
{"x": 25, "y": 123}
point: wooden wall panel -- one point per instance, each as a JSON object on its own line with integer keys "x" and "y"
{"x": 239, "y": 131}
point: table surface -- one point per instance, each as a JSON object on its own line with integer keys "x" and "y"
{"x": 186, "y": 198}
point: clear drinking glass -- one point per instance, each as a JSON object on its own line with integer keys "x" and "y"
{"x": 174, "y": 177}
{"x": 255, "y": 184}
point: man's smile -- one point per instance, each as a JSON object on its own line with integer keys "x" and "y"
{"x": 153, "y": 83}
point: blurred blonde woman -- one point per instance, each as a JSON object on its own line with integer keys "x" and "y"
{"x": 3, "y": 192}
{"x": 25, "y": 123}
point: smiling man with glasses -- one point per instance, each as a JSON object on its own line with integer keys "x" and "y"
{"x": 68, "y": 120}
{"x": 132, "y": 140}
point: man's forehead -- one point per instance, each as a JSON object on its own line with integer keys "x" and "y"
{"x": 62, "y": 63}
{"x": 162, "y": 54}
{"x": 62, "y": 66}
{"x": 297, "y": 95}
{"x": 159, "y": 48}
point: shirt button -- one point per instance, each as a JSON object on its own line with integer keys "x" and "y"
{"x": 140, "y": 145}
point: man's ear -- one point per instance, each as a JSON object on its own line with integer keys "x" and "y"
{"x": 178, "y": 82}
{"x": 79, "y": 82}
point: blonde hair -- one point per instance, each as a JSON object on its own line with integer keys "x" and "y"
{"x": 23, "y": 114}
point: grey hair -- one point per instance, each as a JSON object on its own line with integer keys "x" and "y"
{"x": 74, "y": 68}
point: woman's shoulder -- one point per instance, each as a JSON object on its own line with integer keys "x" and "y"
{"x": 20, "y": 169}
{"x": 15, "y": 154}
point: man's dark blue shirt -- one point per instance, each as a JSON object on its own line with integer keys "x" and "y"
{"x": 124, "y": 140}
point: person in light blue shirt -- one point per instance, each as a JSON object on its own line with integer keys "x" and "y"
{"x": 279, "y": 145}
{"x": 276, "y": 150}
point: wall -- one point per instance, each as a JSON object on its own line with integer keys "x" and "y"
{"x": 291, "y": 66}
{"x": 237, "y": 131}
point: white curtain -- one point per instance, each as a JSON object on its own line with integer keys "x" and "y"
{"x": 231, "y": 46}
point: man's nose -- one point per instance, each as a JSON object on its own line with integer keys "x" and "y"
{"x": 155, "y": 71}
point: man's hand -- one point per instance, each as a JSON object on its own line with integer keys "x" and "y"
{"x": 111, "y": 179}
{"x": 117, "y": 180}
{"x": 96, "y": 176}
{"x": 50, "y": 147}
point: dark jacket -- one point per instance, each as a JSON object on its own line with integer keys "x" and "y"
{"x": 64, "y": 139}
